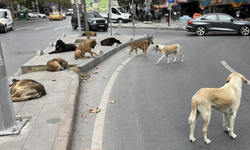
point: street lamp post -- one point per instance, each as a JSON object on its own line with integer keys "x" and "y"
{"x": 8, "y": 123}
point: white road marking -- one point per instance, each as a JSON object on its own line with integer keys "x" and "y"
{"x": 41, "y": 27}
{"x": 61, "y": 27}
{"x": 224, "y": 63}
{"x": 21, "y": 28}
{"x": 97, "y": 138}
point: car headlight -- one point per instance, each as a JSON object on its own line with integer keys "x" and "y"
{"x": 106, "y": 21}
{"x": 92, "y": 21}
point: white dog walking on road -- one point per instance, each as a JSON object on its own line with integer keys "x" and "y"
{"x": 225, "y": 99}
{"x": 169, "y": 49}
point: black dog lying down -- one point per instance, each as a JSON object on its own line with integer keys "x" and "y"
{"x": 110, "y": 41}
{"x": 62, "y": 47}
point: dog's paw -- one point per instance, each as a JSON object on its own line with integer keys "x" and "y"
{"x": 192, "y": 139}
{"x": 233, "y": 135}
{"x": 208, "y": 141}
{"x": 226, "y": 129}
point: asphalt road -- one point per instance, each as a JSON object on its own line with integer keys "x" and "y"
{"x": 153, "y": 101}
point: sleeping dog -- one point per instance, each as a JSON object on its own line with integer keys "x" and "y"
{"x": 110, "y": 41}
{"x": 62, "y": 47}
{"x": 169, "y": 49}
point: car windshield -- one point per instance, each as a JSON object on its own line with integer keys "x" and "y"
{"x": 93, "y": 15}
{"x": 55, "y": 13}
{"x": 121, "y": 10}
{"x": 1, "y": 14}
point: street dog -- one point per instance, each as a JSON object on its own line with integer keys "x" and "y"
{"x": 110, "y": 41}
{"x": 26, "y": 89}
{"x": 169, "y": 49}
{"x": 85, "y": 47}
{"x": 225, "y": 99}
{"x": 91, "y": 33}
{"x": 62, "y": 47}
{"x": 142, "y": 45}
{"x": 56, "y": 64}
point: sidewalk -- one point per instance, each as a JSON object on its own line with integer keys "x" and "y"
{"x": 51, "y": 117}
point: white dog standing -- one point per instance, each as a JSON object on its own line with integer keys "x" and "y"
{"x": 225, "y": 99}
{"x": 169, "y": 49}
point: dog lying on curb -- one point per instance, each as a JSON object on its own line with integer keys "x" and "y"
{"x": 23, "y": 90}
{"x": 56, "y": 64}
{"x": 142, "y": 45}
{"x": 91, "y": 33}
{"x": 110, "y": 41}
{"x": 225, "y": 99}
{"x": 62, "y": 47}
{"x": 85, "y": 47}
{"x": 169, "y": 49}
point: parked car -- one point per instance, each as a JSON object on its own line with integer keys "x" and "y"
{"x": 64, "y": 16}
{"x": 40, "y": 15}
{"x": 95, "y": 21}
{"x": 55, "y": 16}
{"x": 217, "y": 22}
{"x": 33, "y": 15}
{"x": 6, "y": 22}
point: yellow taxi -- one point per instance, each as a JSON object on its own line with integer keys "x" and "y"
{"x": 55, "y": 16}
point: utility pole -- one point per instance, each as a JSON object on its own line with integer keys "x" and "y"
{"x": 133, "y": 15}
{"x": 8, "y": 123}
{"x": 110, "y": 21}
{"x": 86, "y": 19}
{"x": 78, "y": 17}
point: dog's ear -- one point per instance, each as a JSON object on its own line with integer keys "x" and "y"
{"x": 243, "y": 79}
{"x": 228, "y": 78}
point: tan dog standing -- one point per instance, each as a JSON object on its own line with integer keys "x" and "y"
{"x": 85, "y": 47}
{"x": 22, "y": 90}
{"x": 225, "y": 99}
{"x": 56, "y": 64}
{"x": 142, "y": 45}
{"x": 169, "y": 49}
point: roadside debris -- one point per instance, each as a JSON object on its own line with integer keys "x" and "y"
{"x": 95, "y": 72}
{"x": 105, "y": 78}
{"x": 96, "y": 67}
{"x": 84, "y": 116}
{"x": 95, "y": 110}
{"x": 112, "y": 102}
{"x": 54, "y": 80}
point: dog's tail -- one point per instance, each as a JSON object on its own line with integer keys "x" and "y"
{"x": 193, "y": 114}
{"x": 179, "y": 50}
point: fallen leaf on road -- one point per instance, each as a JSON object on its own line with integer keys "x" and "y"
{"x": 96, "y": 67}
{"x": 87, "y": 87}
{"x": 112, "y": 102}
{"x": 54, "y": 80}
{"x": 84, "y": 91}
{"x": 122, "y": 64}
{"x": 86, "y": 149}
{"x": 95, "y": 72}
{"x": 95, "y": 110}
{"x": 105, "y": 78}
{"x": 84, "y": 116}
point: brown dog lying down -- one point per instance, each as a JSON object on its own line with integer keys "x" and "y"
{"x": 91, "y": 33}
{"x": 85, "y": 47}
{"x": 225, "y": 99}
{"x": 142, "y": 45}
{"x": 26, "y": 89}
{"x": 56, "y": 64}
{"x": 62, "y": 47}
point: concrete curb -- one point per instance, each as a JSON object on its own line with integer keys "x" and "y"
{"x": 156, "y": 28}
{"x": 65, "y": 130}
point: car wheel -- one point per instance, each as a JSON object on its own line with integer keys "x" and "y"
{"x": 119, "y": 20}
{"x": 200, "y": 31}
{"x": 244, "y": 30}
{"x": 11, "y": 28}
{"x": 74, "y": 25}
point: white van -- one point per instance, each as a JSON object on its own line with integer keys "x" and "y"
{"x": 118, "y": 14}
{"x": 6, "y": 21}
